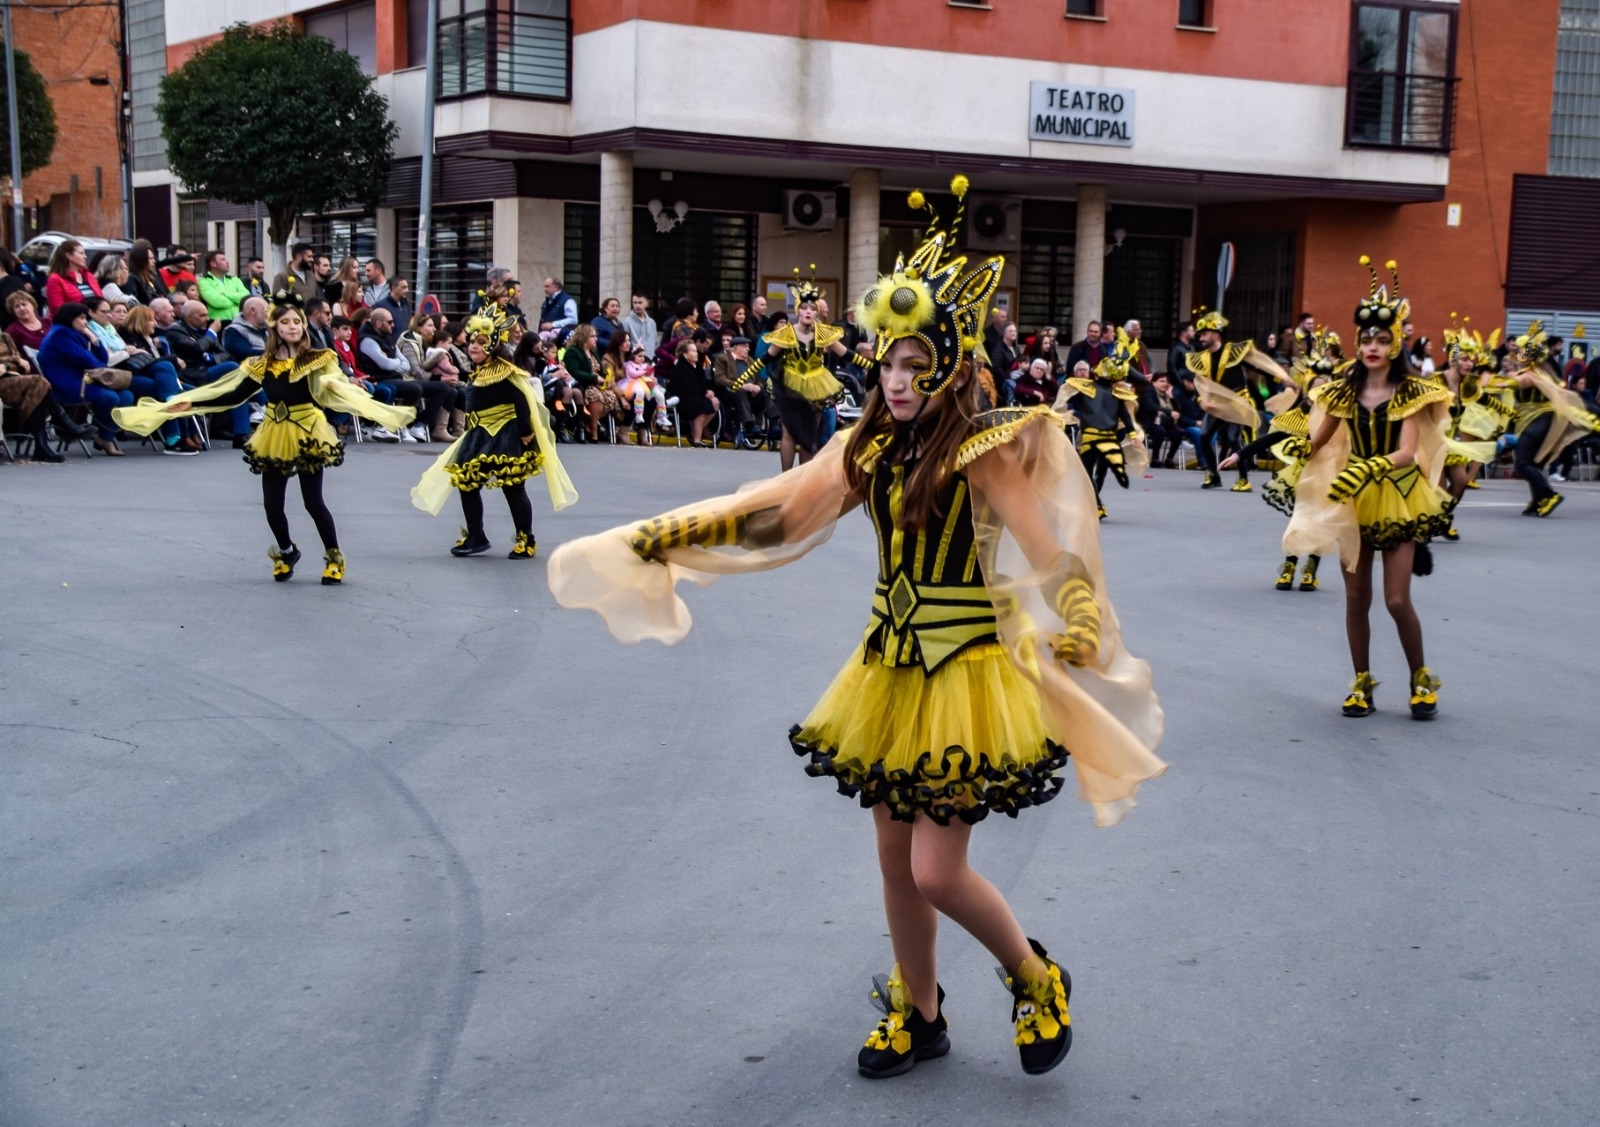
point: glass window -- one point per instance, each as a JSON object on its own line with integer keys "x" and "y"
{"x": 461, "y": 248}
{"x": 417, "y": 32}
{"x": 341, "y": 236}
{"x": 711, "y": 255}
{"x": 520, "y": 48}
{"x": 1044, "y": 291}
{"x": 1575, "y": 125}
{"x": 1402, "y": 87}
{"x": 193, "y": 215}
{"x": 249, "y": 243}
{"x": 1192, "y": 13}
{"x": 1083, "y": 7}
{"x": 581, "y": 257}
{"x": 1142, "y": 279}
{"x": 353, "y": 30}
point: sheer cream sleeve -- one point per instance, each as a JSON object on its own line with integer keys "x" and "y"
{"x": 1039, "y": 544}
{"x": 629, "y": 574}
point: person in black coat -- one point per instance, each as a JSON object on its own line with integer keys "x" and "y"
{"x": 691, "y": 381}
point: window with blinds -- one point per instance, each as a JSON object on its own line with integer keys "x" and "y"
{"x": 1261, "y": 298}
{"x": 1575, "y": 122}
{"x": 1142, "y": 279}
{"x": 710, "y": 255}
{"x": 580, "y": 260}
{"x": 461, "y": 246}
{"x": 1044, "y": 291}
{"x": 344, "y": 236}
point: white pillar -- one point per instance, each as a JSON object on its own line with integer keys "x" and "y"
{"x": 861, "y": 252}
{"x": 388, "y": 241}
{"x": 1089, "y": 257}
{"x": 616, "y": 226}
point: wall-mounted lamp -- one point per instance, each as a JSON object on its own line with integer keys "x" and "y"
{"x": 1117, "y": 236}
{"x": 666, "y": 222}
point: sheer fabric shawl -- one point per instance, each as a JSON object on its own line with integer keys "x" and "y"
{"x": 1033, "y": 506}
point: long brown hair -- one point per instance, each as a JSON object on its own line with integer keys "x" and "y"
{"x": 935, "y": 456}
{"x": 274, "y": 342}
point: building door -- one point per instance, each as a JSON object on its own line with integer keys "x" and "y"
{"x": 1044, "y": 294}
{"x": 1261, "y": 299}
{"x": 1143, "y": 276}
{"x": 710, "y": 255}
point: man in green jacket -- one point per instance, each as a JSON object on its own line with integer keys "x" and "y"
{"x": 220, "y": 290}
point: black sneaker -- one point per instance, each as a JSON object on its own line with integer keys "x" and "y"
{"x": 1212, "y": 481}
{"x": 1039, "y": 1008}
{"x": 1548, "y": 505}
{"x": 283, "y": 561}
{"x": 525, "y": 548}
{"x": 470, "y": 544}
{"x": 1359, "y": 702}
{"x": 904, "y": 1036}
{"x": 1424, "y": 694}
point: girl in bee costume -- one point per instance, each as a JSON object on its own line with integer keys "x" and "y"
{"x": 1316, "y": 360}
{"x": 1104, "y": 407}
{"x": 295, "y": 439}
{"x": 1549, "y": 417}
{"x": 991, "y": 650}
{"x": 1477, "y": 418}
{"x": 1371, "y": 487}
{"x": 508, "y": 440}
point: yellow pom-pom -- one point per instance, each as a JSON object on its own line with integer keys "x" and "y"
{"x": 1366, "y": 260}
{"x": 1466, "y": 320}
{"x": 813, "y": 266}
{"x": 959, "y": 185}
{"x": 915, "y": 199}
{"x": 1391, "y": 265}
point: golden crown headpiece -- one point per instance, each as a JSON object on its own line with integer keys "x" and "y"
{"x": 1462, "y": 343}
{"x": 1208, "y": 320}
{"x": 1318, "y": 358}
{"x": 1383, "y": 310}
{"x": 492, "y": 324}
{"x": 930, "y": 299}
{"x": 1114, "y": 365}
{"x": 1534, "y": 345}
{"x": 805, "y": 290}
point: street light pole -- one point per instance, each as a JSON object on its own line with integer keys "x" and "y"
{"x": 125, "y": 120}
{"x": 16, "y": 137}
{"x": 425, "y": 204}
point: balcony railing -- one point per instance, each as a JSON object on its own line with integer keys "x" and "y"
{"x": 498, "y": 50}
{"x": 1400, "y": 111}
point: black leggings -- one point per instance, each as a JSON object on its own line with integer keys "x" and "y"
{"x": 1215, "y": 433}
{"x": 275, "y": 487}
{"x": 516, "y": 500}
{"x": 1525, "y": 453}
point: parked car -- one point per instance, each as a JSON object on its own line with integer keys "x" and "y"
{"x": 36, "y": 251}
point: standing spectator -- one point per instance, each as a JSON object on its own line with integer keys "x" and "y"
{"x": 1108, "y": 339}
{"x": 998, "y": 319}
{"x": 349, "y": 301}
{"x": 255, "y": 279}
{"x": 1304, "y": 332}
{"x": 607, "y": 322}
{"x": 739, "y": 322}
{"x": 559, "y": 312}
{"x": 495, "y": 276}
{"x": 713, "y": 324}
{"x": 299, "y": 275}
{"x": 321, "y": 274}
{"x": 220, "y": 290}
{"x": 685, "y": 320}
{"x": 1043, "y": 345}
{"x": 319, "y": 323}
{"x": 1165, "y": 431}
{"x": 1087, "y": 350}
{"x": 377, "y": 287}
{"x": 144, "y": 280}
{"x": 26, "y": 327}
{"x": 397, "y": 301}
{"x": 1003, "y": 362}
{"x": 177, "y": 268}
{"x": 1421, "y": 356}
{"x": 112, "y": 274}
{"x": 1177, "y": 355}
{"x": 70, "y": 280}
{"x": 641, "y": 328}
{"x": 349, "y": 273}
{"x": 1140, "y": 358}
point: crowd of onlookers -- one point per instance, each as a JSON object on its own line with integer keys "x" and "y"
{"x": 81, "y": 341}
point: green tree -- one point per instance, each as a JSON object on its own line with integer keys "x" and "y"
{"x": 275, "y": 115}
{"x": 36, "y": 118}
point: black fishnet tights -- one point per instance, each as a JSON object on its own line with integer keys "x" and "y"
{"x": 1396, "y": 596}
{"x": 516, "y": 500}
{"x": 274, "y": 490}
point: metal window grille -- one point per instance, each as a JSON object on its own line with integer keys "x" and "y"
{"x": 1192, "y": 13}
{"x": 516, "y": 48}
{"x": 1575, "y": 120}
{"x": 711, "y": 255}
{"x": 581, "y": 258}
{"x": 193, "y": 218}
{"x": 1044, "y": 291}
{"x": 1401, "y": 86}
{"x": 340, "y": 236}
{"x": 1141, "y": 284}
{"x": 462, "y": 244}
{"x": 1261, "y": 298}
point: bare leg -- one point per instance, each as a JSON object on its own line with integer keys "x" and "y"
{"x": 1357, "y": 605}
{"x": 913, "y": 922}
{"x": 1397, "y": 597}
{"x": 945, "y": 880}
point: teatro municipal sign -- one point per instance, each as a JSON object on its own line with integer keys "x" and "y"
{"x": 1080, "y": 115}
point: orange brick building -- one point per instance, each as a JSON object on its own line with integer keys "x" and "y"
{"x": 74, "y": 48}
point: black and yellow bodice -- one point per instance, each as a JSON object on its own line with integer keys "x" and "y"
{"x": 1225, "y": 365}
{"x": 1375, "y": 432}
{"x": 800, "y": 370}
{"x": 930, "y": 602}
{"x": 1098, "y": 403}
{"x": 1529, "y": 403}
{"x": 495, "y": 399}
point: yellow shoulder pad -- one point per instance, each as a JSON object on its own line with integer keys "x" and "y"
{"x": 1337, "y": 398}
{"x": 1415, "y": 393}
{"x": 998, "y": 427}
{"x": 782, "y": 337}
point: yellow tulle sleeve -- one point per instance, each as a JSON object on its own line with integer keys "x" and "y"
{"x": 147, "y": 415}
{"x": 784, "y": 518}
{"x": 1229, "y": 406}
{"x": 1033, "y": 506}
{"x": 332, "y": 389}
{"x": 1572, "y": 419}
{"x": 1318, "y": 526}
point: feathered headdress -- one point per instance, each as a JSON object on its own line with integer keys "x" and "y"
{"x": 1534, "y": 345}
{"x": 1462, "y": 343}
{"x": 1208, "y": 320}
{"x": 929, "y": 298}
{"x": 1382, "y": 310}
{"x": 492, "y": 325}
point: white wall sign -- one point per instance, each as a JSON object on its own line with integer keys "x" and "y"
{"x": 1080, "y": 115}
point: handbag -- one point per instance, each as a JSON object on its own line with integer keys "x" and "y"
{"x": 137, "y": 361}
{"x": 117, "y": 379}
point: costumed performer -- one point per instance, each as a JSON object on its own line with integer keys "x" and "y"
{"x": 1477, "y": 418}
{"x": 992, "y": 648}
{"x": 295, "y": 438}
{"x": 1371, "y": 487}
{"x": 508, "y": 440}
{"x": 1104, "y": 406}
{"x": 1223, "y": 388}
{"x": 1549, "y": 418}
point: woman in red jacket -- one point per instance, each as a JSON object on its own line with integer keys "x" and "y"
{"x": 70, "y": 277}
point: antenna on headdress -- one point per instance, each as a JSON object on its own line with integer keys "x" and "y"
{"x": 1366, "y": 260}
{"x": 958, "y": 185}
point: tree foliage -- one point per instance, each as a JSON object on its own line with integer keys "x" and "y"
{"x": 275, "y": 115}
{"x": 36, "y": 118}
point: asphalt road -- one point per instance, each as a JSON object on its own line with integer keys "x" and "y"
{"x": 423, "y": 850}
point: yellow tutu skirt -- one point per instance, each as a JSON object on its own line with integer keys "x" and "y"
{"x": 303, "y": 442}
{"x": 969, "y": 739}
{"x": 816, "y": 385}
{"x": 1402, "y": 507}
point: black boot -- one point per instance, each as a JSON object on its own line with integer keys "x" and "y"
{"x": 65, "y": 427}
{"x": 1286, "y": 573}
{"x": 1040, "y": 990}
{"x": 904, "y": 1036}
{"x": 471, "y": 543}
{"x": 42, "y": 451}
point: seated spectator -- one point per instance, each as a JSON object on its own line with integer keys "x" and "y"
{"x": 138, "y": 332}
{"x": 1165, "y": 429}
{"x": 144, "y": 280}
{"x": 220, "y": 290}
{"x": 112, "y": 274}
{"x": 24, "y": 390}
{"x": 350, "y": 302}
{"x": 581, "y": 362}
{"x": 246, "y": 335}
{"x": 1190, "y": 415}
{"x": 348, "y": 274}
{"x": 26, "y": 327}
{"x": 177, "y": 269}
{"x": 1035, "y": 385}
{"x": 541, "y": 359}
{"x": 14, "y": 276}
{"x": 685, "y": 320}
{"x": 743, "y": 398}
{"x": 694, "y": 385}
{"x": 606, "y": 322}
{"x": 199, "y": 355}
{"x": 381, "y": 362}
{"x": 153, "y": 376}
{"x": 447, "y": 420}
{"x": 254, "y": 278}
{"x": 74, "y": 361}
{"x": 376, "y": 287}
{"x": 188, "y": 291}
{"x": 70, "y": 280}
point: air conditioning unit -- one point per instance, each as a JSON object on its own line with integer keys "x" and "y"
{"x": 806, "y": 210}
{"x": 994, "y": 223}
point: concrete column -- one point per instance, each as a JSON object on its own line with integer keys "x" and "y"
{"x": 388, "y": 242}
{"x": 1089, "y": 266}
{"x": 616, "y": 226}
{"x": 861, "y": 250}
{"x": 540, "y": 250}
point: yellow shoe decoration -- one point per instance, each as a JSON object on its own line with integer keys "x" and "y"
{"x": 283, "y": 562}
{"x": 525, "y": 548}
{"x": 1424, "y": 694}
{"x": 895, "y": 1001}
{"x": 1039, "y": 991}
{"x": 1359, "y": 702}
{"x": 1286, "y": 574}
{"x": 333, "y": 568}
{"x": 1472, "y": 484}
{"x": 1308, "y": 577}
{"x": 1241, "y": 486}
